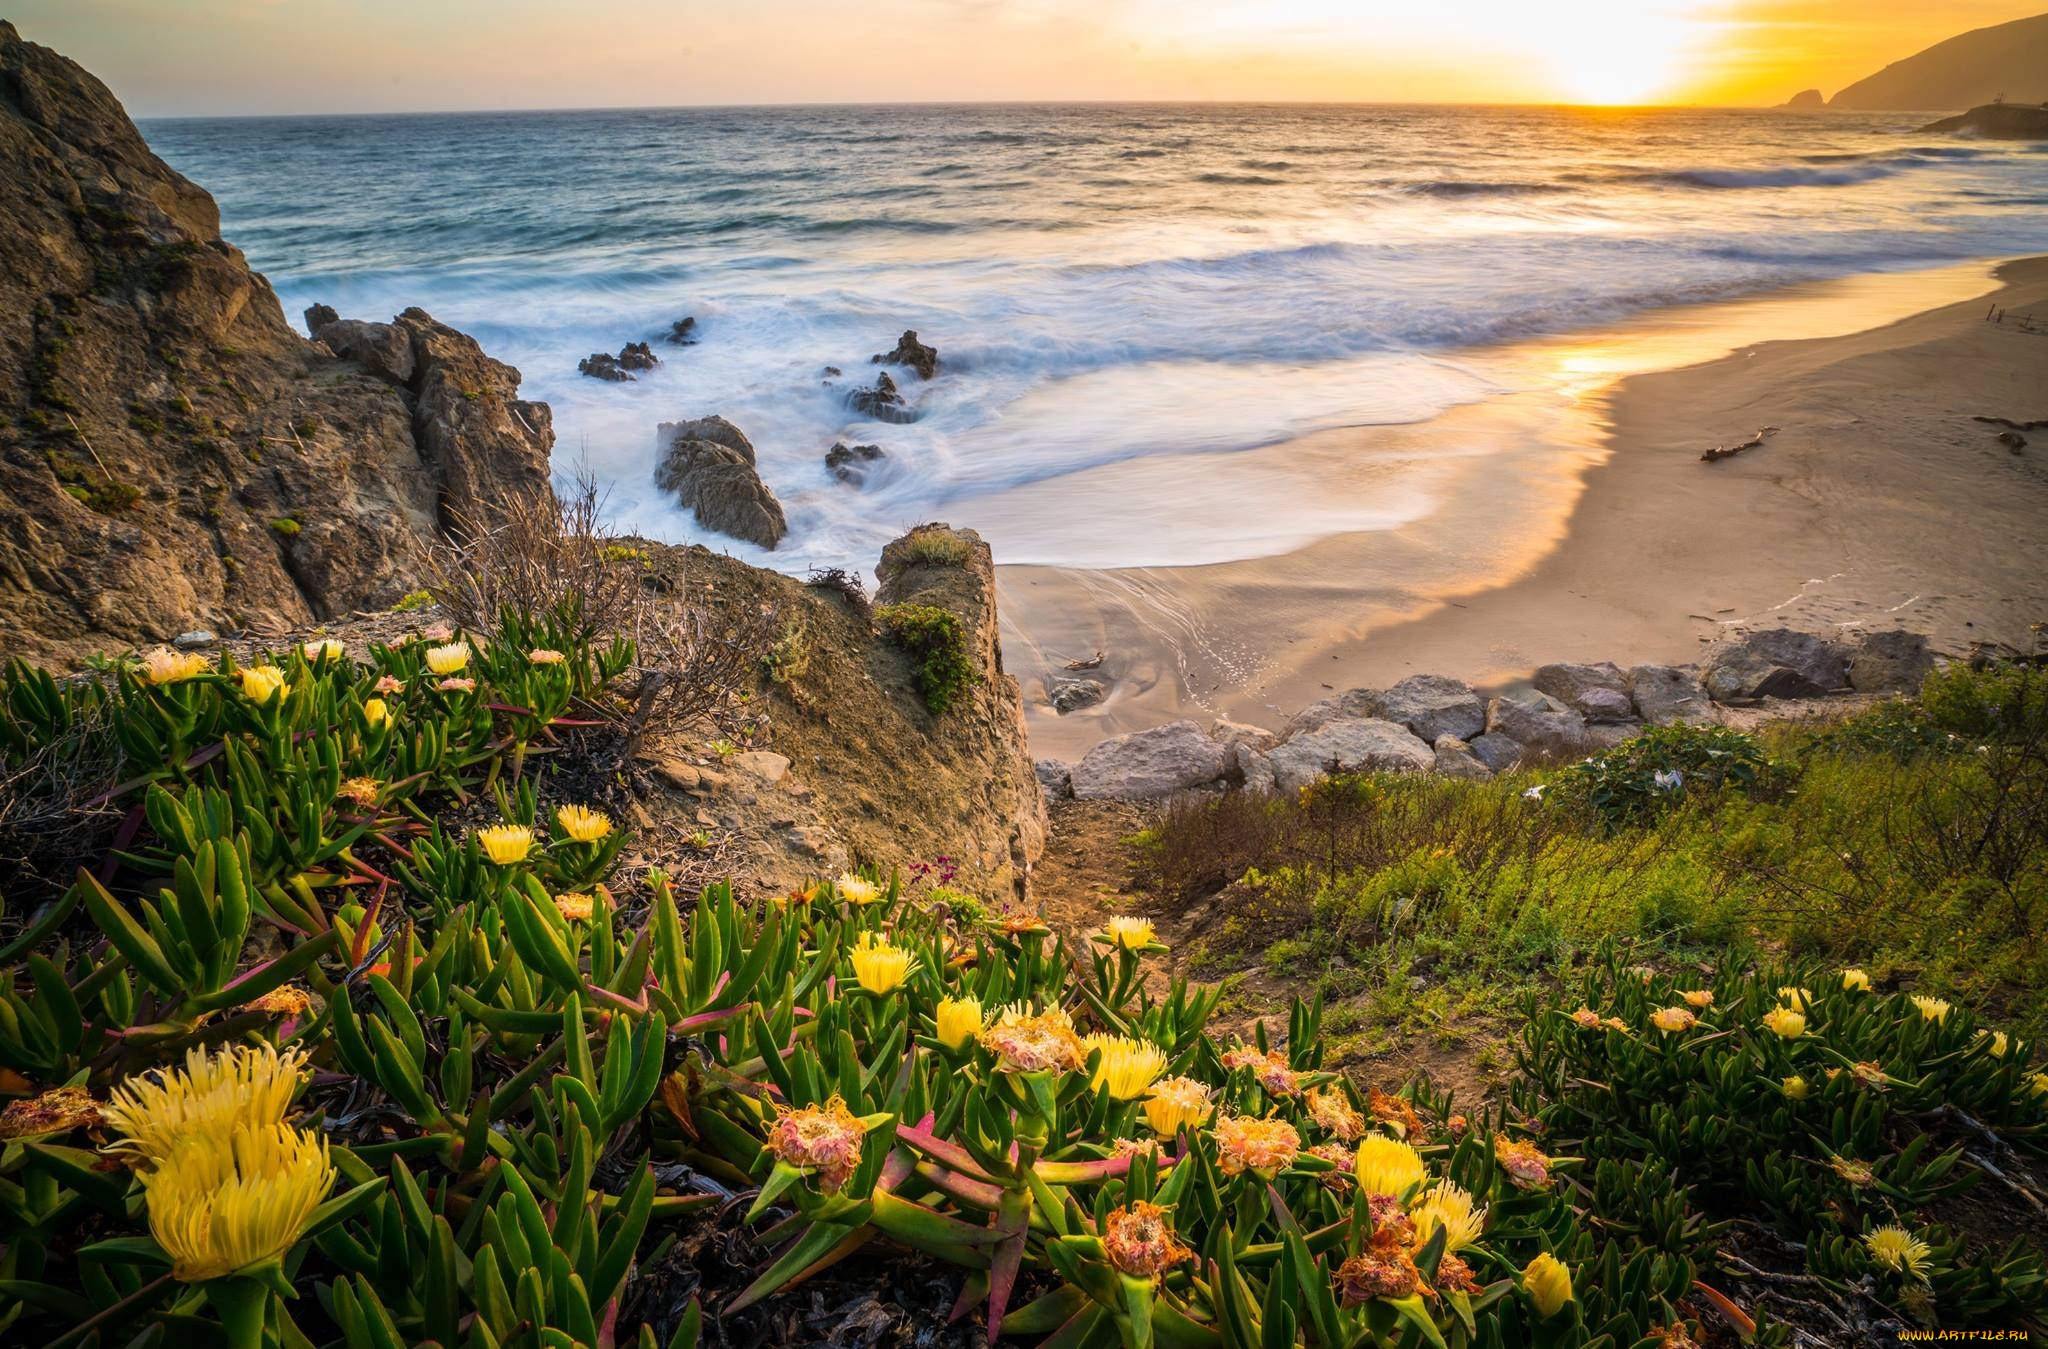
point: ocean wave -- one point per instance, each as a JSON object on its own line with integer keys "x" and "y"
{"x": 1240, "y": 179}
{"x": 1741, "y": 179}
{"x": 1479, "y": 187}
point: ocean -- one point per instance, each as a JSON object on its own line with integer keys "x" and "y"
{"x": 1124, "y": 298}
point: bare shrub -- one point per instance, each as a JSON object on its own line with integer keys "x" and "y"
{"x": 692, "y": 657}
{"x": 538, "y": 554}
{"x": 846, "y": 586}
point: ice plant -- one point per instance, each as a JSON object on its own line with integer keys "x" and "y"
{"x": 1870, "y": 1075}
{"x": 1856, "y": 1173}
{"x": 1139, "y": 1241}
{"x": 209, "y": 1098}
{"x": 959, "y": 1020}
{"x": 449, "y": 659}
{"x": 1386, "y": 1165}
{"x": 389, "y": 684}
{"x": 360, "y": 791}
{"x": 220, "y": 1206}
{"x": 1262, "y": 1146}
{"x": 1587, "y": 1018}
{"x": 1673, "y": 1019}
{"x": 1023, "y": 1043}
{"x": 1698, "y": 998}
{"x": 287, "y": 1000}
{"x": 326, "y": 648}
{"x": 1177, "y": 1103}
{"x": 1376, "y": 1273}
{"x": 1524, "y": 1162}
{"x": 542, "y": 655}
{"x": 1394, "y": 1112}
{"x": 1898, "y": 1250}
{"x": 1855, "y": 981}
{"x": 457, "y": 685}
{"x": 1548, "y": 1284}
{"x": 57, "y": 1111}
{"x": 879, "y": 966}
{"x": 1785, "y": 1022}
{"x": 1999, "y": 1043}
{"x": 1931, "y": 1009}
{"x": 506, "y": 844}
{"x": 1131, "y": 934}
{"x": 1447, "y": 1206}
{"x": 1126, "y": 1066}
{"x": 857, "y": 890}
{"x": 260, "y": 682}
{"x": 1796, "y": 998}
{"x": 575, "y": 908}
{"x": 819, "y": 1140}
{"x": 161, "y": 665}
{"x": 1333, "y": 1112}
{"x": 375, "y": 713}
{"x": 1270, "y": 1069}
{"x": 583, "y": 824}
{"x": 1795, "y": 1087}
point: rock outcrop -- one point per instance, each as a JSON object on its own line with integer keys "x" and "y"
{"x": 173, "y": 455}
{"x": 2007, "y": 59}
{"x": 1805, "y": 98}
{"x": 603, "y": 365}
{"x": 1774, "y": 663}
{"x": 683, "y": 332}
{"x": 1348, "y": 745}
{"x": 1669, "y": 693}
{"x": 912, "y": 354}
{"x": 1595, "y": 692}
{"x": 709, "y": 464}
{"x": 1998, "y": 122}
{"x": 883, "y": 403}
{"x": 1432, "y": 706}
{"x": 1890, "y": 662}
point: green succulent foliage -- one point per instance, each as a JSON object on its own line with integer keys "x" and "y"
{"x": 933, "y": 639}
{"x": 1855, "y": 1115}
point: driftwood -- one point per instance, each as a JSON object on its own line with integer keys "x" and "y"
{"x": 1726, "y": 451}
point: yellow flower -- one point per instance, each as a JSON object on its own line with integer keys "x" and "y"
{"x": 1450, "y": 1207}
{"x": 959, "y": 1020}
{"x": 1670, "y": 1019}
{"x": 1139, "y": 1241}
{"x": 1548, "y": 1284}
{"x": 1899, "y": 1251}
{"x": 446, "y": 660}
{"x": 375, "y": 713}
{"x": 1701, "y": 998}
{"x": 1855, "y": 981}
{"x": 506, "y": 844}
{"x": 1177, "y": 1103}
{"x": 575, "y": 908}
{"x": 583, "y": 824}
{"x": 219, "y": 1205}
{"x": 165, "y": 666}
{"x": 857, "y": 890}
{"x": 1785, "y": 1022}
{"x": 1262, "y": 1146}
{"x": 1386, "y": 1165}
{"x": 2038, "y": 1084}
{"x": 326, "y": 647}
{"x": 1132, "y": 934}
{"x": 1795, "y": 1087}
{"x": 541, "y": 655}
{"x": 1796, "y": 998}
{"x": 1931, "y": 1009}
{"x": 1524, "y": 1162}
{"x": 1127, "y": 1066}
{"x": 361, "y": 791}
{"x": 878, "y": 966}
{"x": 209, "y": 1098}
{"x": 259, "y": 682}
{"x": 1999, "y": 1042}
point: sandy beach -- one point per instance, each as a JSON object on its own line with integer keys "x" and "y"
{"x": 1879, "y": 501}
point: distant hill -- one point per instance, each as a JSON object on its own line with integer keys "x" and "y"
{"x": 2010, "y": 59}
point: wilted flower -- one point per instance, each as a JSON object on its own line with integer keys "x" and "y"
{"x": 1524, "y": 1162}
{"x": 575, "y": 908}
{"x": 326, "y": 648}
{"x": 1132, "y": 934}
{"x": 1023, "y": 1043}
{"x": 879, "y": 966}
{"x": 1899, "y": 1251}
{"x": 822, "y": 1139}
{"x": 57, "y": 1111}
{"x": 506, "y": 844}
{"x": 1456, "y": 1126}
{"x": 1270, "y": 1068}
{"x": 1454, "y": 1274}
{"x": 1177, "y": 1103}
{"x": 1855, "y": 981}
{"x": 219, "y": 1205}
{"x": 1868, "y": 1074}
{"x": 161, "y": 665}
{"x": 1450, "y": 1207}
{"x": 1394, "y": 1112}
{"x": 213, "y": 1095}
{"x": 447, "y": 660}
{"x": 542, "y": 655}
{"x": 1139, "y": 1241}
{"x": 1615, "y": 1023}
{"x": 457, "y": 684}
{"x": 583, "y": 824}
{"x": 1126, "y": 1066}
{"x": 286, "y": 1000}
{"x": 1858, "y": 1174}
{"x": 1785, "y": 1022}
{"x": 1587, "y": 1018}
{"x": 959, "y": 1020}
{"x": 1376, "y": 1274}
{"x": 259, "y": 682}
{"x": 361, "y": 791}
{"x": 1386, "y": 1165}
{"x": 1931, "y": 1009}
{"x": 389, "y": 684}
{"x": 1699, "y": 998}
{"x": 857, "y": 890}
{"x": 1333, "y": 1112}
{"x": 1796, "y": 1088}
{"x": 1246, "y": 1143}
{"x": 1672, "y": 1019}
{"x": 1548, "y": 1284}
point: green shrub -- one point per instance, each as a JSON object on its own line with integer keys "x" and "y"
{"x": 1665, "y": 765}
{"x": 935, "y": 546}
{"x": 1999, "y": 702}
{"x": 933, "y": 639}
{"x": 286, "y": 526}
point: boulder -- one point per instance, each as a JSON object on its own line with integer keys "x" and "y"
{"x": 1055, "y": 778}
{"x": 1455, "y": 759}
{"x": 1670, "y": 693}
{"x": 1775, "y": 663}
{"x": 637, "y": 356}
{"x": 1071, "y": 695}
{"x": 384, "y": 349}
{"x": 709, "y": 465}
{"x": 1545, "y": 725}
{"x": 1432, "y": 706}
{"x": 1227, "y": 732}
{"x": 1355, "y": 703}
{"x": 881, "y": 403}
{"x": 1498, "y": 752}
{"x": 683, "y": 333}
{"x": 602, "y": 365}
{"x": 1252, "y": 769}
{"x": 1605, "y": 735}
{"x": 1596, "y": 692}
{"x": 1895, "y": 661}
{"x": 1350, "y": 745}
{"x": 1148, "y": 765}
{"x": 849, "y": 463}
{"x": 911, "y": 353}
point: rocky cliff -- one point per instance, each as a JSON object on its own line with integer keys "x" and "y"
{"x": 2008, "y": 60}
{"x": 172, "y": 453}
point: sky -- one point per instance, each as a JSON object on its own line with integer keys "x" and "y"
{"x": 204, "y": 57}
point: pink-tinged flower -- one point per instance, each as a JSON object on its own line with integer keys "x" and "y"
{"x": 1377, "y": 1273}
{"x": 1139, "y": 1241}
{"x": 1587, "y": 1018}
{"x": 541, "y": 655}
{"x": 1869, "y": 1075}
{"x": 823, "y": 1140}
{"x": 457, "y": 685}
{"x": 1524, "y": 1162}
{"x": 1023, "y": 1043}
{"x": 1264, "y": 1146}
{"x": 574, "y": 908}
{"x": 1269, "y": 1069}
{"x": 1698, "y": 998}
{"x": 1335, "y": 1114}
{"x": 1672, "y": 1019}
{"x": 390, "y": 684}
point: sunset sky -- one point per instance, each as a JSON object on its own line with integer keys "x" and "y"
{"x": 167, "y": 57}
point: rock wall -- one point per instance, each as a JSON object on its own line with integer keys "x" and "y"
{"x": 173, "y": 454}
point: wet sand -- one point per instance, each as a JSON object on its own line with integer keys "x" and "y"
{"x": 1879, "y": 502}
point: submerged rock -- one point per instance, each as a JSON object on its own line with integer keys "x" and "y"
{"x": 709, "y": 465}
{"x": 602, "y": 365}
{"x": 683, "y": 333}
{"x": 1071, "y": 695}
{"x": 1775, "y": 663}
{"x": 911, "y": 353}
{"x": 849, "y": 463}
{"x": 883, "y": 403}
{"x": 637, "y": 356}
{"x": 1148, "y": 765}
{"x": 1998, "y": 121}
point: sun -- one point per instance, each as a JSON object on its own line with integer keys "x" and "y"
{"x": 1599, "y": 51}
